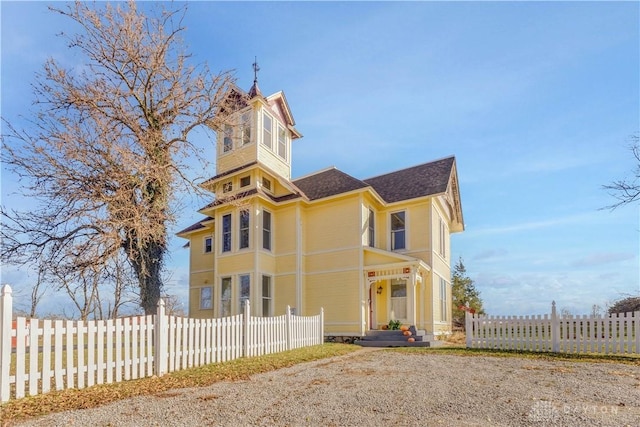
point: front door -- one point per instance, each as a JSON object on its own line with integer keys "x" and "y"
{"x": 398, "y": 303}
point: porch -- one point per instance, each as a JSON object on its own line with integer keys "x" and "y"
{"x": 398, "y": 292}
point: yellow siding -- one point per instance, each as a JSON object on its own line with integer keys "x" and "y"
{"x": 338, "y": 294}
{"x": 266, "y": 263}
{"x": 371, "y": 258}
{"x": 333, "y": 225}
{"x": 235, "y": 158}
{"x": 233, "y": 264}
{"x": 331, "y": 261}
{"x": 284, "y": 230}
{"x": 198, "y": 259}
{"x": 286, "y": 264}
{"x": 284, "y": 293}
{"x": 274, "y": 161}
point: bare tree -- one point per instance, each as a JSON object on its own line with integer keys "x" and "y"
{"x": 106, "y": 148}
{"x": 627, "y": 190}
{"x": 173, "y": 306}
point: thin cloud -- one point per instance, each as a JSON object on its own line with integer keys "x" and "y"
{"x": 531, "y": 225}
{"x": 490, "y": 254}
{"x": 602, "y": 258}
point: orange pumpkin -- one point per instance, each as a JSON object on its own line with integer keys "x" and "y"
{"x": 407, "y": 333}
{"x": 404, "y": 328}
{"x": 411, "y": 339}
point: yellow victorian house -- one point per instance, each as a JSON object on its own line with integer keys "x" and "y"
{"x": 366, "y": 250}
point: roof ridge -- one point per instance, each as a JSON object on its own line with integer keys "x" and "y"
{"x": 409, "y": 167}
{"x": 310, "y": 174}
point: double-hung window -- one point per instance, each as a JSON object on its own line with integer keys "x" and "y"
{"x": 226, "y": 233}
{"x": 266, "y": 230}
{"x": 245, "y": 290}
{"x": 208, "y": 244}
{"x": 443, "y": 239}
{"x": 228, "y": 139}
{"x": 225, "y": 297}
{"x": 267, "y": 310}
{"x": 244, "y": 229}
{"x": 444, "y": 309}
{"x": 267, "y": 132}
{"x": 372, "y": 228}
{"x": 245, "y": 128}
{"x": 398, "y": 231}
{"x": 206, "y": 298}
{"x": 282, "y": 142}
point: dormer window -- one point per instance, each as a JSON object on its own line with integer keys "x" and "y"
{"x": 267, "y": 133}
{"x": 282, "y": 142}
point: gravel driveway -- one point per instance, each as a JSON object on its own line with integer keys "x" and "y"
{"x": 386, "y": 388}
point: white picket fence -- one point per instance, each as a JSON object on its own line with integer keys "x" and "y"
{"x": 617, "y": 334}
{"x": 58, "y": 354}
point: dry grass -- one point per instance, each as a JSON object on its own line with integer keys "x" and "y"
{"x": 65, "y": 400}
{"x": 630, "y": 359}
{"x": 457, "y": 338}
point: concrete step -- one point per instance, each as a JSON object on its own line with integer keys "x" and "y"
{"x": 396, "y": 338}
{"x": 394, "y": 343}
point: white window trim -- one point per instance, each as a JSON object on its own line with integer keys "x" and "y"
{"x": 442, "y": 239}
{"x": 223, "y": 233}
{"x": 222, "y": 279}
{"x": 240, "y": 229}
{"x": 270, "y": 298}
{"x": 443, "y": 299}
{"x": 270, "y": 249}
{"x": 210, "y": 298}
{"x": 262, "y": 129}
{"x": 204, "y": 244}
{"x": 239, "y": 304}
{"x": 372, "y": 244}
{"x": 242, "y": 126}
{"x": 406, "y": 234}
{"x": 279, "y": 128}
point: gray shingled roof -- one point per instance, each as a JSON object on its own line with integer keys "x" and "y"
{"x": 197, "y": 226}
{"x": 417, "y": 181}
{"x": 328, "y": 183}
{"x": 229, "y": 172}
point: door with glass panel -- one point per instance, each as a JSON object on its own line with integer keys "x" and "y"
{"x": 398, "y": 303}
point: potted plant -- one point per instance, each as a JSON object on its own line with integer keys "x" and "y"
{"x": 394, "y": 325}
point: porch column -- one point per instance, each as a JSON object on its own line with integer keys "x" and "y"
{"x": 411, "y": 298}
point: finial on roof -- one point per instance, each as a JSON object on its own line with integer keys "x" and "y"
{"x": 255, "y": 91}
{"x": 256, "y": 68}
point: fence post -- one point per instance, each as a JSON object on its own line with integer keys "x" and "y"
{"x": 161, "y": 333}
{"x": 321, "y": 325}
{"x": 555, "y": 329}
{"x": 288, "y": 314}
{"x": 246, "y": 330}
{"x": 468, "y": 328}
{"x": 6, "y": 314}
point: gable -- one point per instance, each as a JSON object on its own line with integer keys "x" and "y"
{"x": 418, "y": 181}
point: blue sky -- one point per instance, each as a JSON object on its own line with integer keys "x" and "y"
{"x": 536, "y": 100}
